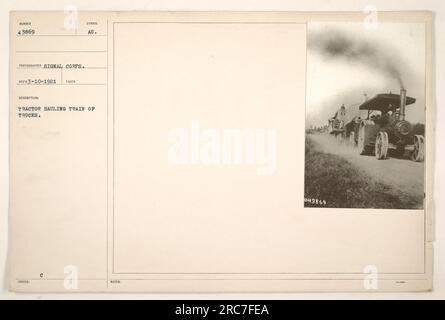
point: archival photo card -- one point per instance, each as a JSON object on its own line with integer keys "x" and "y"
{"x": 220, "y": 151}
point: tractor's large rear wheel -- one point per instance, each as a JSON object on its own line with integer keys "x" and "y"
{"x": 381, "y": 145}
{"x": 418, "y": 154}
{"x": 361, "y": 141}
{"x": 366, "y": 137}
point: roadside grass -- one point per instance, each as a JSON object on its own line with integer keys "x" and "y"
{"x": 340, "y": 184}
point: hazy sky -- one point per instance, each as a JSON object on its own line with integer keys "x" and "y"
{"x": 336, "y": 76}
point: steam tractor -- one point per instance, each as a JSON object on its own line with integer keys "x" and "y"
{"x": 385, "y": 128}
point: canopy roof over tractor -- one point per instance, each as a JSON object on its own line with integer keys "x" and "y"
{"x": 382, "y": 101}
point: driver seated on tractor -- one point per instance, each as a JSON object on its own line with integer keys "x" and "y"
{"x": 386, "y": 117}
{"x": 375, "y": 117}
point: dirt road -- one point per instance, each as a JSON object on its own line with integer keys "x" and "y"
{"x": 404, "y": 174}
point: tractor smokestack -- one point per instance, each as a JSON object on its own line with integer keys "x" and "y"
{"x": 402, "y": 104}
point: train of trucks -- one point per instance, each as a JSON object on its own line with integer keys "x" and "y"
{"x": 383, "y": 128}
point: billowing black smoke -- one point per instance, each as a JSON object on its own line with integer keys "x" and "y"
{"x": 335, "y": 44}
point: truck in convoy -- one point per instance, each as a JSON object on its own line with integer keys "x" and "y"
{"x": 383, "y": 128}
{"x": 336, "y": 124}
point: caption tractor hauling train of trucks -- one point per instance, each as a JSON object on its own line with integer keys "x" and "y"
{"x": 383, "y": 128}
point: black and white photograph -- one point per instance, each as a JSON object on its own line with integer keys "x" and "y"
{"x": 365, "y": 115}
